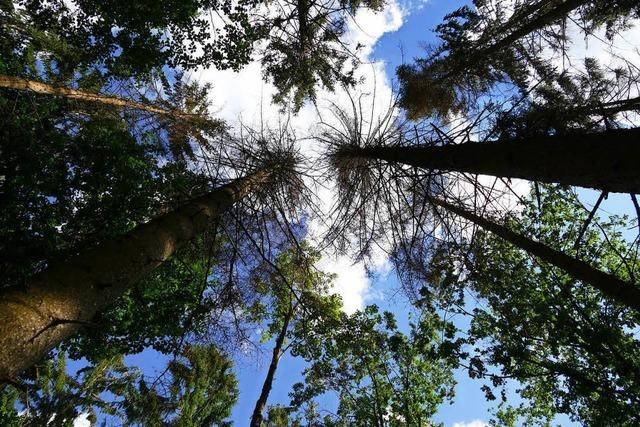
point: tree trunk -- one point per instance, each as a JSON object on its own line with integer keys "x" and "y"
{"x": 607, "y": 161}
{"x": 19, "y": 83}
{"x": 523, "y": 26}
{"x": 66, "y": 296}
{"x": 257, "y": 417}
{"x": 558, "y": 10}
{"x": 614, "y": 107}
{"x": 625, "y": 293}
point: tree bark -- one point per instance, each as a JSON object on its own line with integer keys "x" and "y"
{"x": 607, "y": 161}
{"x": 625, "y": 293}
{"x": 19, "y": 83}
{"x": 57, "y": 302}
{"x": 257, "y": 417}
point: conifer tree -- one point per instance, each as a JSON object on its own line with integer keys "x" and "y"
{"x": 376, "y": 172}
{"x": 61, "y": 299}
{"x": 485, "y": 45}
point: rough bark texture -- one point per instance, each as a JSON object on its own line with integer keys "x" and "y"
{"x": 627, "y": 294}
{"x": 19, "y": 83}
{"x": 257, "y": 417}
{"x": 66, "y": 296}
{"x": 607, "y": 161}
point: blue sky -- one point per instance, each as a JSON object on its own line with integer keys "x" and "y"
{"x": 392, "y": 48}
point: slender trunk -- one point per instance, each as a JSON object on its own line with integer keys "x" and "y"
{"x": 257, "y": 417}
{"x": 66, "y": 296}
{"x": 613, "y": 107}
{"x": 516, "y": 28}
{"x": 607, "y": 161}
{"x": 19, "y": 83}
{"x": 625, "y": 293}
{"x": 558, "y": 10}
{"x": 379, "y": 410}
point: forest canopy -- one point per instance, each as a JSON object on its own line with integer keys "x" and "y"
{"x": 360, "y": 244}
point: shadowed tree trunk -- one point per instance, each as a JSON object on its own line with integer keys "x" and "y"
{"x": 607, "y": 161}
{"x": 257, "y": 417}
{"x": 614, "y": 107}
{"x": 552, "y": 12}
{"x": 439, "y": 75}
{"x": 66, "y": 296}
{"x": 625, "y": 293}
{"x": 19, "y": 83}
{"x": 517, "y": 27}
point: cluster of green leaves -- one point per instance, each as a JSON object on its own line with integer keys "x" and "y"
{"x": 381, "y": 376}
{"x": 573, "y": 350}
{"x": 200, "y": 391}
{"x": 316, "y": 55}
{"x": 53, "y": 397}
{"x": 126, "y": 40}
{"x": 295, "y": 292}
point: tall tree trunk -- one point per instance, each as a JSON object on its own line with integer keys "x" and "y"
{"x": 613, "y": 107}
{"x": 257, "y": 417}
{"x": 19, "y": 83}
{"x": 556, "y": 10}
{"x": 517, "y": 27}
{"x": 607, "y": 161}
{"x": 625, "y": 293}
{"x": 66, "y": 296}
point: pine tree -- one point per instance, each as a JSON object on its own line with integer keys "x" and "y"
{"x": 61, "y": 299}
{"x": 377, "y": 172}
{"x": 481, "y": 47}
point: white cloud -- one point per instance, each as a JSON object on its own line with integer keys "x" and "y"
{"x": 622, "y": 47}
{"x": 351, "y": 283}
{"x": 82, "y": 421}
{"x": 369, "y": 26}
{"x": 246, "y": 96}
{"x": 474, "y": 423}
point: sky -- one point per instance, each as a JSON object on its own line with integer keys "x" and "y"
{"x": 389, "y": 38}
